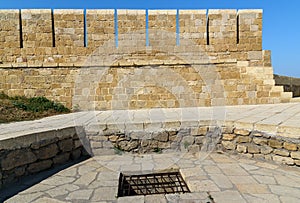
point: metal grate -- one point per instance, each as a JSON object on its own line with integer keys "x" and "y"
{"x": 148, "y": 184}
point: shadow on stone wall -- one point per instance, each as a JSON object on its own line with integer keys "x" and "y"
{"x": 290, "y": 84}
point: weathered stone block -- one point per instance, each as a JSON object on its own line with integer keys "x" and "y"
{"x": 62, "y": 158}
{"x": 66, "y": 145}
{"x": 188, "y": 140}
{"x": 39, "y": 166}
{"x": 295, "y": 155}
{"x": 266, "y": 149}
{"x": 253, "y": 149}
{"x": 241, "y": 148}
{"x": 76, "y": 154}
{"x": 243, "y": 139}
{"x": 241, "y": 132}
{"x": 17, "y": 158}
{"x": 281, "y": 152}
{"x": 228, "y": 145}
{"x": 275, "y": 144}
{"x": 161, "y": 136}
{"x": 228, "y": 137}
{"x": 128, "y": 146}
{"x": 260, "y": 141}
{"x": 46, "y": 152}
{"x": 290, "y": 146}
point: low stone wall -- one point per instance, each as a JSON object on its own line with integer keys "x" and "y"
{"x": 40, "y": 151}
{"x": 253, "y": 144}
{"x": 289, "y": 84}
{"x": 29, "y": 154}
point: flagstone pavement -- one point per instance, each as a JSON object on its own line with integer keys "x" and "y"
{"x": 211, "y": 177}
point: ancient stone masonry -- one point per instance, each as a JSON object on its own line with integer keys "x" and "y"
{"x": 98, "y": 59}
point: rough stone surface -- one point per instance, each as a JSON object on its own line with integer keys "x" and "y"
{"x": 65, "y": 145}
{"x": 17, "y": 158}
{"x": 39, "y": 166}
{"x": 241, "y": 132}
{"x": 295, "y": 155}
{"x": 275, "y": 144}
{"x": 47, "y": 151}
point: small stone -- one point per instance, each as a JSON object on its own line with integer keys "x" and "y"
{"x": 241, "y": 148}
{"x": 290, "y": 146}
{"x": 39, "y": 166}
{"x": 253, "y": 149}
{"x": 128, "y": 146}
{"x": 281, "y": 152}
{"x": 163, "y": 145}
{"x": 19, "y": 171}
{"x": 228, "y": 137}
{"x": 260, "y": 141}
{"x": 75, "y": 154}
{"x": 295, "y": 155}
{"x": 77, "y": 143}
{"x": 241, "y": 132}
{"x": 161, "y": 136}
{"x": 188, "y": 140}
{"x": 43, "y": 143}
{"x": 47, "y": 152}
{"x": 227, "y": 130}
{"x": 62, "y": 158}
{"x": 266, "y": 149}
{"x": 257, "y": 134}
{"x": 113, "y": 138}
{"x": 202, "y": 131}
{"x": 243, "y": 139}
{"x": 17, "y": 158}
{"x": 65, "y": 145}
{"x": 228, "y": 145}
{"x": 283, "y": 160}
{"x": 275, "y": 144}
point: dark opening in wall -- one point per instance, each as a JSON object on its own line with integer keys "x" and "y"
{"x": 147, "y": 28}
{"x": 207, "y": 29}
{"x": 177, "y": 27}
{"x": 116, "y": 28}
{"x": 84, "y": 29}
{"x": 53, "y": 28}
{"x": 21, "y": 31}
{"x": 238, "y": 29}
{"x": 149, "y": 184}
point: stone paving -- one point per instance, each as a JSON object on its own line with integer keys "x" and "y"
{"x": 213, "y": 177}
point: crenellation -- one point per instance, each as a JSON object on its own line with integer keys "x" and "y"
{"x": 100, "y": 26}
{"x": 180, "y": 69}
{"x": 69, "y": 28}
{"x": 162, "y": 28}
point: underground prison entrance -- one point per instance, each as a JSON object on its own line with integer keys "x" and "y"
{"x": 150, "y": 184}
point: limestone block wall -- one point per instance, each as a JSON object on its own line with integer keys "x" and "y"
{"x": 100, "y": 27}
{"x": 162, "y": 27}
{"x": 71, "y": 56}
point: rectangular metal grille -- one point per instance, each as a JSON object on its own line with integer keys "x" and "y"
{"x": 147, "y": 184}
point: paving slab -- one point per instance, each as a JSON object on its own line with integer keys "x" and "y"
{"x": 209, "y": 180}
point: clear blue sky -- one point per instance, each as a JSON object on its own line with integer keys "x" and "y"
{"x": 281, "y": 20}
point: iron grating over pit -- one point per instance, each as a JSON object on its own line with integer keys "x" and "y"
{"x": 149, "y": 184}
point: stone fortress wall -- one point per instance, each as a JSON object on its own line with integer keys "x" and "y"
{"x": 162, "y": 58}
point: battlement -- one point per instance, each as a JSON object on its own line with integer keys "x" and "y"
{"x": 131, "y": 59}
{"x": 45, "y": 32}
